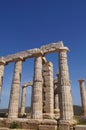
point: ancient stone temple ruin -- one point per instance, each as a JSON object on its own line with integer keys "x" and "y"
{"x": 51, "y": 98}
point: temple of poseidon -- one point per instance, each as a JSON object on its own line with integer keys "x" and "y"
{"x": 51, "y": 100}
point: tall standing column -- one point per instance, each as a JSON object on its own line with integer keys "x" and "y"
{"x": 2, "y": 65}
{"x": 56, "y": 94}
{"x": 48, "y": 90}
{"x": 23, "y": 100}
{"x": 36, "y": 112}
{"x": 56, "y": 105}
{"x": 83, "y": 96}
{"x": 15, "y": 90}
{"x": 56, "y": 102}
{"x": 56, "y": 98}
{"x": 66, "y": 105}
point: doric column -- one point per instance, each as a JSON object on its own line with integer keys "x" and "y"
{"x": 56, "y": 102}
{"x": 48, "y": 90}
{"x": 56, "y": 106}
{"x": 23, "y": 100}
{"x": 66, "y": 105}
{"x": 83, "y": 96}
{"x": 15, "y": 90}
{"x": 2, "y": 65}
{"x": 36, "y": 112}
{"x": 56, "y": 98}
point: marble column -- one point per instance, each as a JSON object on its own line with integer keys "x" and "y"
{"x": 2, "y": 65}
{"x": 56, "y": 98}
{"x": 36, "y": 112}
{"x": 56, "y": 93}
{"x": 48, "y": 90}
{"x": 56, "y": 102}
{"x": 83, "y": 96}
{"x": 15, "y": 90}
{"x": 23, "y": 100}
{"x": 66, "y": 105}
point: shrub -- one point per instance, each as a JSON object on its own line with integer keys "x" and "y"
{"x": 13, "y": 125}
{"x": 81, "y": 120}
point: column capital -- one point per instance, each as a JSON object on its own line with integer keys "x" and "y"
{"x": 49, "y": 64}
{"x": 24, "y": 86}
{"x": 28, "y": 84}
{"x": 38, "y": 54}
{"x": 20, "y": 58}
{"x": 2, "y": 61}
{"x": 81, "y": 80}
{"x": 63, "y": 49}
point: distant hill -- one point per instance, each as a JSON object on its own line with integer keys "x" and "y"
{"x": 77, "y": 110}
{"x": 27, "y": 110}
{"x": 3, "y": 110}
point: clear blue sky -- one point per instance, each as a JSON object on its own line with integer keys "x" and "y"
{"x": 26, "y": 24}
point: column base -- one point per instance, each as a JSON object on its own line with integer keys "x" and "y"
{"x": 48, "y": 115}
{"x": 56, "y": 113}
{"x": 47, "y": 127}
{"x": 37, "y": 116}
{"x": 12, "y": 117}
{"x": 67, "y": 124}
{"x": 22, "y": 115}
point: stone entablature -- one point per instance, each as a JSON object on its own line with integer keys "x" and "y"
{"x": 54, "y": 47}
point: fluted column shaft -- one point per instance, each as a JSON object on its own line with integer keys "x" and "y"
{"x": 56, "y": 101}
{"x": 57, "y": 93}
{"x": 2, "y": 65}
{"x": 66, "y": 105}
{"x": 15, "y": 90}
{"x": 48, "y": 89}
{"x": 83, "y": 96}
{"x": 23, "y": 100}
{"x": 36, "y": 112}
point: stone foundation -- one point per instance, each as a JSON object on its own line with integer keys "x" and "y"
{"x": 46, "y": 124}
{"x": 80, "y": 127}
{"x": 30, "y": 124}
{"x": 47, "y": 127}
{"x": 64, "y": 127}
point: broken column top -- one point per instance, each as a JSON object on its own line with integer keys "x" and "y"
{"x": 55, "y": 80}
{"x": 53, "y": 47}
{"x": 27, "y": 84}
{"x": 2, "y": 61}
{"x": 81, "y": 80}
